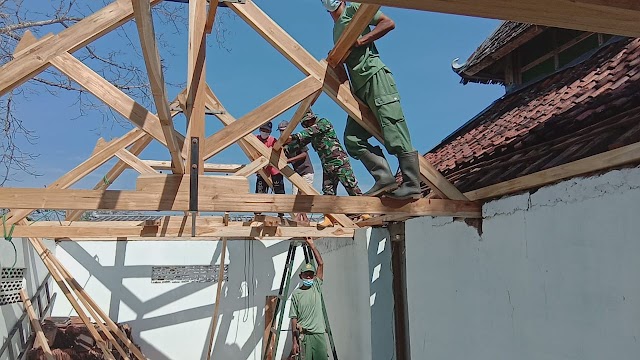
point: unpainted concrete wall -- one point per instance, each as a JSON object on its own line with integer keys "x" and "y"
{"x": 554, "y": 275}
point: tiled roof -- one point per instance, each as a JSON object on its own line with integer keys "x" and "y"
{"x": 578, "y": 112}
{"x": 497, "y": 45}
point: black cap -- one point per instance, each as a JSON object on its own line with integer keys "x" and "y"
{"x": 267, "y": 126}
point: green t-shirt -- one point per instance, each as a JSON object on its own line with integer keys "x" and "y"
{"x": 364, "y": 61}
{"x": 306, "y": 306}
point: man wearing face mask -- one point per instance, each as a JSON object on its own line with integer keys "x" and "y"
{"x": 373, "y": 83}
{"x": 276, "y": 177}
{"x": 306, "y": 312}
{"x": 336, "y": 167}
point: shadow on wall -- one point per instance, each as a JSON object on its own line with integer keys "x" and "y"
{"x": 241, "y": 314}
{"x": 381, "y": 295}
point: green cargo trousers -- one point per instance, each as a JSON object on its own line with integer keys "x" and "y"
{"x": 381, "y": 95}
{"x": 314, "y": 347}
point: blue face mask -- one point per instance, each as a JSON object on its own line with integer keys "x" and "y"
{"x": 307, "y": 282}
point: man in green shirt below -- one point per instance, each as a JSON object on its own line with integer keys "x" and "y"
{"x": 373, "y": 83}
{"x": 306, "y": 312}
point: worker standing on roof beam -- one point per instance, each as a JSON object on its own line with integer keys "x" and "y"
{"x": 372, "y": 82}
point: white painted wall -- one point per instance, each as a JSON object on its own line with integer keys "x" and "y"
{"x": 171, "y": 321}
{"x": 553, "y": 276}
{"x": 34, "y": 276}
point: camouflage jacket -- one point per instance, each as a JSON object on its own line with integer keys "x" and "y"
{"x": 323, "y": 138}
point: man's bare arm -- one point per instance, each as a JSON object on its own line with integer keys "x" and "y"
{"x": 318, "y": 257}
{"x": 300, "y": 156}
{"x": 383, "y": 26}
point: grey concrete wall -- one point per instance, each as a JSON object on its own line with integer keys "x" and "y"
{"x": 554, "y": 275}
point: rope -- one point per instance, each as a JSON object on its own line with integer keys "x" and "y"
{"x": 9, "y": 238}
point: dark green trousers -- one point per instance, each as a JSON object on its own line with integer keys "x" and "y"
{"x": 314, "y": 347}
{"x": 382, "y": 97}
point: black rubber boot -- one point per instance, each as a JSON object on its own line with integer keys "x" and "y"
{"x": 378, "y": 167}
{"x": 410, "y": 167}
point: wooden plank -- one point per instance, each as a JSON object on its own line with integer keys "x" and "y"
{"x": 276, "y": 159}
{"x": 211, "y": 16}
{"x": 339, "y": 90}
{"x": 41, "y": 340}
{"x": 196, "y": 81}
{"x": 86, "y": 167}
{"x": 265, "y": 112}
{"x": 144, "y": 23}
{"x": 620, "y": 17}
{"x": 135, "y": 163}
{"x": 60, "y": 274}
{"x": 214, "y": 168}
{"x": 111, "y": 96}
{"x": 305, "y": 105}
{"x": 629, "y": 154}
{"x": 22, "y": 198}
{"x": 382, "y": 219}
{"x": 108, "y": 230}
{"x": 214, "y": 318}
{"x": 345, "y": 43}
{"x": 253, "y": 167}
{"x": 208, "y": 185}
{"x": 29, "y": 63}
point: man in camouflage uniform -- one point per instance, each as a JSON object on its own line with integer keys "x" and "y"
{"x": 335, "y": 161}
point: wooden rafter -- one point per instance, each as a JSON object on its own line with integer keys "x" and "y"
{"x": 112, "y": 96}
{"x": 134, "y": 162}
{"x": 211, "y": 16}
{"x": 155, "y": 201}
{"x": 213, "y": 168}
{"x": 276, "y": 158}
{"x": 620, "y": 17}
{"x": 343, "y": 46}
{"x": 93, "y": 162}
{"x": 305, "y": 105}
{"x": 29, "y": 63}
{"x": 265, "y": 112}
{"x": 144, "y": 22}
{"x": 338, "y": 90}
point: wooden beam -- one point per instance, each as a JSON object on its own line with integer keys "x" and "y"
{"x": 29, "y": 63}
{"x": 211, "y": 16}
{"x": 86, "y": 167}
{"x": 295, "y": 120}
{"x": 629, "y": 154}
{"x": 112, "y": 96}
{"x": 196, "y": 81}
{"x": 620, "y": 17}
{"x": 24, "y": 198}
{"x": 144, "y": 22}
{"x": 252, "y": 168}
{"x": 276, "y": 159}
{"x": 244, "y": 143}
{"x": 382, "y": 219}
{"x": 214, "y": 168}
{"x": 113, "y": 173}
{"x": 41, "y": 340}
{"x": 338, "y": 90}
{"x": 178, "y": 185}
{"x": 135, "y": 163}
{"x": 345, "y": 43}
{"x": 266, "y": 112}
{"x": 111, "y": 230}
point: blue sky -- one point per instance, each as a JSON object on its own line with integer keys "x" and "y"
{"x": 250, "y": 72}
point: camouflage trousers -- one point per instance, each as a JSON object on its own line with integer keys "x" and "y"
{"x": 344, "y": 175}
